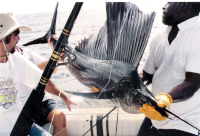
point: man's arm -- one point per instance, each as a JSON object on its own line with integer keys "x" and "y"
{"x": 186, "y": 89}
{"x": 180, "y": 92}
{"x": 51, "y": 88}
{"x": 43, "y": 64}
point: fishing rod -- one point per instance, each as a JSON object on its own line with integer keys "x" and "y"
{"x": 165, "y": 109}
{"x": 181, "y": 118}
{"x": 24, "y": 122}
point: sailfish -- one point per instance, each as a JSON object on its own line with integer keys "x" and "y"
{"x": 108, "y": 62}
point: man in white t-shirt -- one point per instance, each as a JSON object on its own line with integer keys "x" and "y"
{"x": 48, "y": 107}
{"x": 15, "y": 69}
{"x": 37, "y": 60}
{"x": 173, "y": 66}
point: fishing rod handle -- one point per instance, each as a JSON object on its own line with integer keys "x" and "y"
{"x": 181, "y": 118}
{"x": 163, "y": 111}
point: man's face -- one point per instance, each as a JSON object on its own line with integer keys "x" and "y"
{"x": 171, "y": 13}
{"x": 13, "y": 41}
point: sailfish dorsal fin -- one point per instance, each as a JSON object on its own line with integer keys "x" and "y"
{"x": 123, "y": 37}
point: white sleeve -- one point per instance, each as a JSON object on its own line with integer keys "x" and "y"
{"x": 149, "y": 65}
{"x": 193, "y": 60}
{"x": 36, "y": 58}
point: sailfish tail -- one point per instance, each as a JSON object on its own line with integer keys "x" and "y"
{"x": 49, "y": 33}
{"x": 36, "y": 41}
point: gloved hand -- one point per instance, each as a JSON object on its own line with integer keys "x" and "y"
{"x": 164, "y": 100}
{"x": 150, "y": 112}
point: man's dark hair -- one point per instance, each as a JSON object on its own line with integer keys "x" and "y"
{"x": 195, "y": 6}
{"x": 7, "y": 40}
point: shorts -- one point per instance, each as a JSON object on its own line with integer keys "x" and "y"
{"x": 43, "y": 110}
{"x": 38, "y": 131}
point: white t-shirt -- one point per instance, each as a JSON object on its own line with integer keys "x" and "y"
{"x": 169, "y": 63}
{"x": 10, "y": 105}
{"x": 25, "y": 90}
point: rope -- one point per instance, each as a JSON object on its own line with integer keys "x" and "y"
{"x": 9, "y": 64}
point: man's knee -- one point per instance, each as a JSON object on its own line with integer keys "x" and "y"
{"x": 59, "y": 117}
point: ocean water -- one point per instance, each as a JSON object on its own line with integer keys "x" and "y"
{"x": 88, "y": 22}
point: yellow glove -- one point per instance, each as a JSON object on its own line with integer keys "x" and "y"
{"x": 164, "y": 100}
{"x": 150, "y": 112}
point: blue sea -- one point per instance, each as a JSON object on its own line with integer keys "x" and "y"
{"x": 88, "y": 22}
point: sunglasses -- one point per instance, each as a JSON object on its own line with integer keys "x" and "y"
{"x": 16, "y": 32}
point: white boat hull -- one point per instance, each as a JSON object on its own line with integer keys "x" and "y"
{"x": 79, "y": 121}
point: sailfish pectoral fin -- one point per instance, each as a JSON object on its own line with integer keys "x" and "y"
{"x": 49, "y": 33}
{"x": 95, "y": 95}
{"x": 94, "y": 89}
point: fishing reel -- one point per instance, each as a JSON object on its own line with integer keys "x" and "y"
{"x": 67, "y": 58}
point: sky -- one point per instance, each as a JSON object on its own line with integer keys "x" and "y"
{"x": 35, "y": 6}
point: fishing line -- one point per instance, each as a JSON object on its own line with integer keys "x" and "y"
{"x": 111, "y": 70}
{"x": 59, "y": 131}
{"x": 117, "y": 121}
{"x": 117, "y": 117}
{"x": 63, "y": 78}
{"x": 114, "y": 55}
{"x": 57, "y": 105}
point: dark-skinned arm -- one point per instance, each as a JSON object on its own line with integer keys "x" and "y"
{"x": 180, "y": 92}
{"x": 186, "y": 89}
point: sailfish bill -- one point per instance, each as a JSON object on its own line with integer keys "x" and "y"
{"x": 50, "y": 32}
